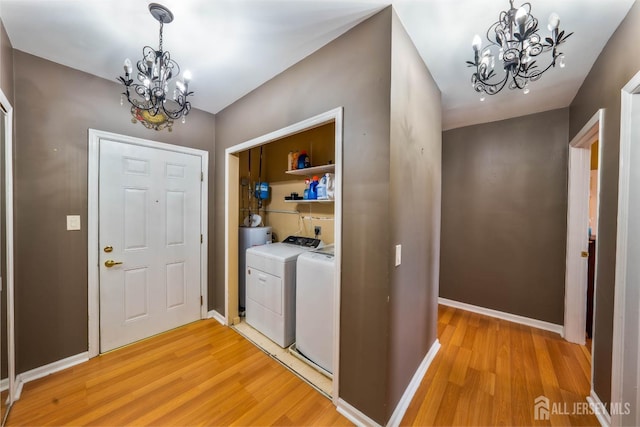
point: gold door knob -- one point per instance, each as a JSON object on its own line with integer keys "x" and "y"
{"x": 110, "y": 263}
{"x": 108, "y": 249}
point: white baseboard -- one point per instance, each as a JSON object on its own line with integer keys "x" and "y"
{"x": 600, "y": 411}
{"x": 534, "y": 323}
{"x": 354, "y": 415}
{"x": 43, "y": 371}
{"x": 219, "y": 317}
{"x": 410, "y": 391}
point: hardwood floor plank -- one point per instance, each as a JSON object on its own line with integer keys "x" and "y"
{"x": 200, "y": 374}
{"x": 487, "y": 372}
{"x": 493, "y": 375}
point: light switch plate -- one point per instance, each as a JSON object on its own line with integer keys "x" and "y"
{"x": 398, "y": 255}
{"x": 73, "y": 222}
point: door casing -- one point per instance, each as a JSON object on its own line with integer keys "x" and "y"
{"x": 625, "y": 366}
{"x": 231, "y": 222}
{"x": 93, "y": 230}
{"x": 575, "y": 306}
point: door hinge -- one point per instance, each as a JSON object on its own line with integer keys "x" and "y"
{"x": 201, "y": 239}
{"x": 201, "y": 176}
{"x": 201, "y": 300}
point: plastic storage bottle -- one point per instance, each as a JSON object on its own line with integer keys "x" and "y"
{"x": 302, "y": 159}
{"x": 290, "y": 160}
{"x": 331, "y": 191}
{"x": 305, "y": 194}
{"x": 322, "y": 188}
{"x": 294, "y": 160}
{"x": 313, "y": 189}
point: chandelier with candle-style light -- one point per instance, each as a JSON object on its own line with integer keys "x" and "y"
{"x": 154, "y": 103}
{"x": 515, "y": 41}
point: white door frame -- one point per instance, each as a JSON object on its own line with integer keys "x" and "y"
{"x": 231, "y": 221}
{"x": 625, "y": 369}
{"x": 93, "y": 216}
{"x": 8, "y": 281}
{"x": 575, "y": 295}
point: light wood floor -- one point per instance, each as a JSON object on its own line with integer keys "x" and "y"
{"x": 488, "y": 372}
{"x": 200, "y": 374}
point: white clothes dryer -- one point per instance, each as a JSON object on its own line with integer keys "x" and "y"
{"x": 271, "y": 287}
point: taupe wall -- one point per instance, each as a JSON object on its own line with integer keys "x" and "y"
{"x": 616, "y": 65}
{"x": 415, "y": 187}
{"x": 353, "y": 72}
{"x": 504, "y": 214}
{"x": 6, "y": 64}
{"x": 54, "y": 110}
{"x": 6, "y": 83}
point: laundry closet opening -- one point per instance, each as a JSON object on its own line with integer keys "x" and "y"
{"x": 283, "y": 201}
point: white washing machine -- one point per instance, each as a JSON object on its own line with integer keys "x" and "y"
{"x": 271, "y": 287}
{"x": 315, "y": 283}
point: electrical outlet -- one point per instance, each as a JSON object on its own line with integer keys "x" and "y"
{"x": 317, "y": 230}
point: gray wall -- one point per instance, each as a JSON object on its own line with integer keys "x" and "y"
{"x": 616, "y": 65}
{"x": 54, "y": 110}
{"x": 415, "y": 187}
{"x": 353, "y": 72}
{"x": 504, "y": 214}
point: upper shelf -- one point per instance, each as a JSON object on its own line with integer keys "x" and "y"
{"x": 313, "y": 170}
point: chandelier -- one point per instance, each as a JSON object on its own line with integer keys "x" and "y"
{"x": 514, "y": 39}
{"x": 154, "y": 104}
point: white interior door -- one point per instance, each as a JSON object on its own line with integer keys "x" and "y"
{"x": 150, "y": 237}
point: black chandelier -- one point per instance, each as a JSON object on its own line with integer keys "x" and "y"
{"x": 514, "y": 39}
{"x": 153, "y": 103}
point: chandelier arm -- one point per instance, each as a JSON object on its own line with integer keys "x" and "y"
{"x": 482, "y": 85}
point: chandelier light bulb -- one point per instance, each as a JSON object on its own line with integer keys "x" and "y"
{"x": 186, "y": 76}
{"x": 521, "y": 17}
{"x": 562, "y": 64}
{"x": 482, "y": 98}
{"x": 554, "y": 21}
{"x": 127, "y": 66}
{"x": 526, "y": 89}
{"x": 476, "y": 43}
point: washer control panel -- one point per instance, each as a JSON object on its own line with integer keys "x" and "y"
{"x": 307, "y": 242}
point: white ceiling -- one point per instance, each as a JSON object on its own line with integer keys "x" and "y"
{"x": 233, "y": 46}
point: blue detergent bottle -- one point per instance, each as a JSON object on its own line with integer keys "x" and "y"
{"x": 313, "y": 189}
{"x": 303, "y": 160}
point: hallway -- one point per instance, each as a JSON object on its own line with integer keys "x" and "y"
{"x": 490, "y": 371}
